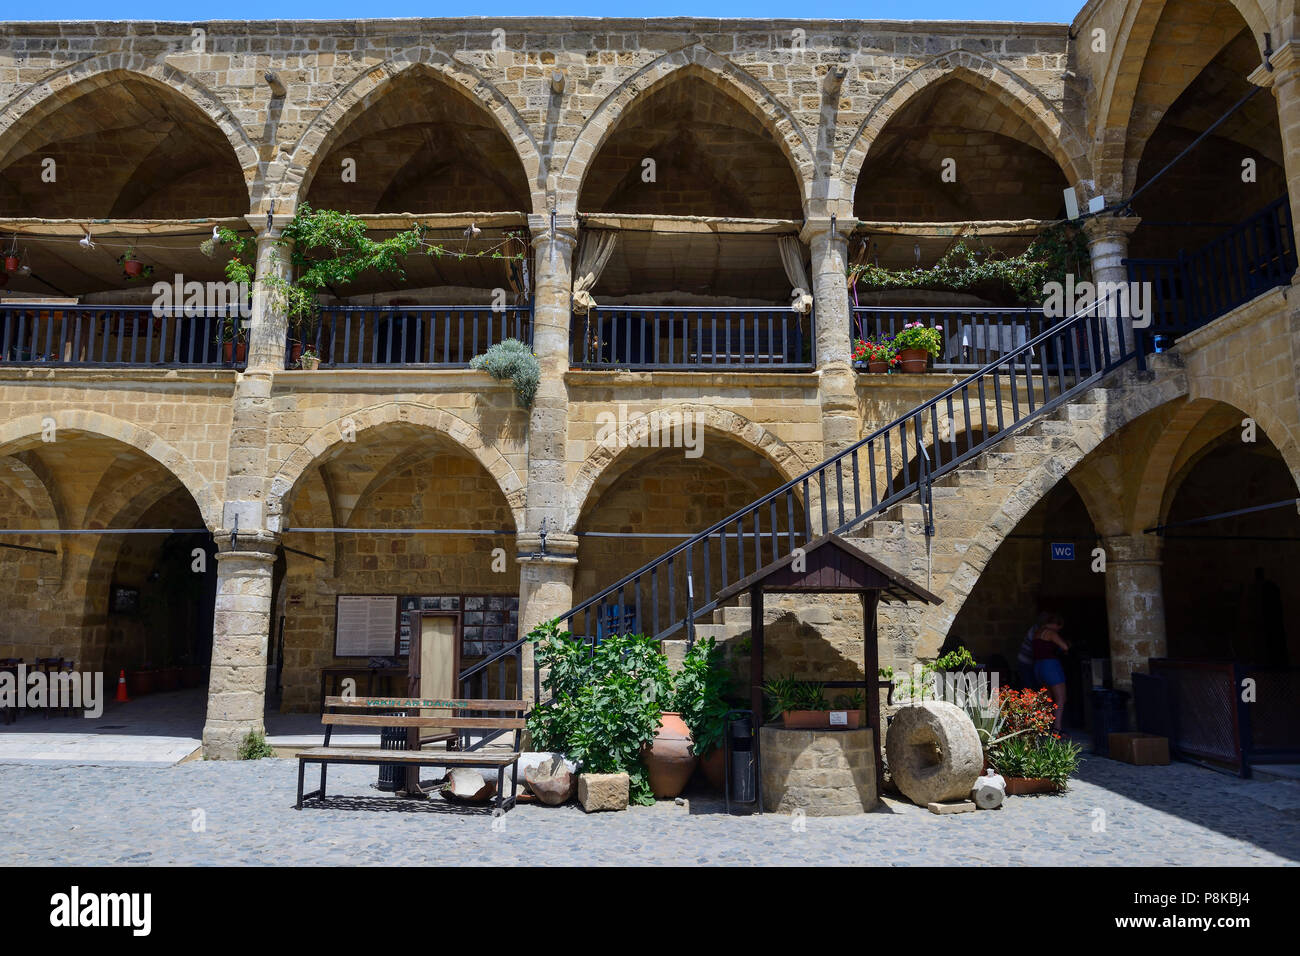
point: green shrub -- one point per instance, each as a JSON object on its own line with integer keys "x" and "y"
{"x": 255, "y": 747}
{"x": 607, "y": 702}
{"x": 701, "y": 696}
{"x": 1046, "y": 756}
{"x": 513, "y": 360}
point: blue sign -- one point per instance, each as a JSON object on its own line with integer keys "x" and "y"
{"x": 1062, "y": 551}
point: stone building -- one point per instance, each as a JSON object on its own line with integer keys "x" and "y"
{"x": 732, "y": 163}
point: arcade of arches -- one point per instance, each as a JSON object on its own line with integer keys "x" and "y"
{"x": 213, "y": 516}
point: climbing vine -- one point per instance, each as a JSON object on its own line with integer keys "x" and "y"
{"x": 970, "y": 266}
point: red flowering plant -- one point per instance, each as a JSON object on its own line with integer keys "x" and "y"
{"x": 1023, "y": 743}
{"x": 1030, "y": 711}
{"x": 870, "y": 350}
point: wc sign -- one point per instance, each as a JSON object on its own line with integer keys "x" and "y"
{"x": 1062, "y": 551}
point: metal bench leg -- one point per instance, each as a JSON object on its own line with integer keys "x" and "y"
{"x": 302, "y": 768}
{"x": 501, "y": 783}
{"x": 323, "y": 768}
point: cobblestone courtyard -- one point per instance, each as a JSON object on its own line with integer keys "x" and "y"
{"x": 1115, "y": 814}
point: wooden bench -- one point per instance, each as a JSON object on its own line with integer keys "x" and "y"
{"x": 456, "y": 725}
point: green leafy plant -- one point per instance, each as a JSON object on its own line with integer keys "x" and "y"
{"x": 701, "y": 696}
{"x": 130, "y": 256}
{"x": 1045, "y": 757}
{"x": 917, "y": 335}
{"x": 969, "y": 266}
{"x": 255, "y": 747}
{"x": 607, "y": 701}
{"x": 788, "y": 693}
{"x": 512, "y": 360}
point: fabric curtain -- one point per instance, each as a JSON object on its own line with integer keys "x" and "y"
{"x": 801, "y": 299}
{"x": 593, "y": 255}
{"x": 517, "y": 268}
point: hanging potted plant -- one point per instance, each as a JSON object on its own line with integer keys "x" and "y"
{"x": 917, "y": 344}
{"x": 132, "y": 266}
{"x": 13, "y": 261}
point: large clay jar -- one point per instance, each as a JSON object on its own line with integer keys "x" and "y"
{"x": 668, "y": 759}
{"x": 913, "y": 360}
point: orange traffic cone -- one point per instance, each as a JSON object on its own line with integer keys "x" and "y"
{"x": 121, "y": 688}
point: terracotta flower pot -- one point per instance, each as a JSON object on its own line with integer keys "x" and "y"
{"x": 295, "y": 352}
{"x": 140, "y": 683}
{"x": 234, "y": 351}
{"x": 805, "y": 719}
{"x": 311, "y": 363}
{"x": 11, "y": 263}
{"x": 133, "y": 267}
{"x": 714, "y": 767}
{"x": 669, "y": 761}
{"x": 878, "y": 368}
{"x": 914, "y": 360}
{"x": 1023, "y": 786}
{"x": 169, "y": 678}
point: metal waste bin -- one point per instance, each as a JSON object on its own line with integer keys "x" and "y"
{"x": 741, "y": 784}
{"x": 392, "y": 776}
{"x": 1109, "y": 716}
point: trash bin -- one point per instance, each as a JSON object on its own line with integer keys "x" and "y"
{"x": 1109, "y": 716}
{"x": 392, "y": 776}
{"x": 741, "y": 776}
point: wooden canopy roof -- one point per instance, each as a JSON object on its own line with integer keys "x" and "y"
{"x": 832, "y": 565}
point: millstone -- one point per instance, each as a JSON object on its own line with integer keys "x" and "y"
{"x": 934, "y": 752}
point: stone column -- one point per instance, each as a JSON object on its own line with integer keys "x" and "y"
{"x": 1283, "y": 79}
{"x": 237, "y": 686}
{"x": 270, "y": 322}
{"x": 1135, "y": 604}
{"x": 545, "y": 587}
{"x": 546, "y": 580}
{"x": 548, "y": 425}
{"x": 1108, "y": 246}
{"x": 837, "y": 384}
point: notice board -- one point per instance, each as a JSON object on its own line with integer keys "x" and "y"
{"x": 365, "y": 625}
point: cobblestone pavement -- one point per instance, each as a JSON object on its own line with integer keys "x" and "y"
{"x": 1114, "y": 815}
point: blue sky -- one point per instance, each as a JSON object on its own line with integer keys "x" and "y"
{"x": 1060, "y": 11}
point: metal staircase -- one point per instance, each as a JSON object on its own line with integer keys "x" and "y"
{"x": 669, "y": 594}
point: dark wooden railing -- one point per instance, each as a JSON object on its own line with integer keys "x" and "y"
{"x": 1195, "y": 287}
{"x": 119, "y": 335}
{"x": 971, "y": 336}
{"x": 427, "y": 336}
{"x": 753, "y": 339}
{"x": 667, "y": 595}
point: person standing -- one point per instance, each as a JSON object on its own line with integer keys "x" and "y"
{"x": 1048, "y": 645}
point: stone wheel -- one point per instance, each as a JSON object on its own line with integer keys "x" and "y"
{"x": 934, "y": 752}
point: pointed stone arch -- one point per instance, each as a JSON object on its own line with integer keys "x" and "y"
{"x": 701, "y": 62}
{"x": 37, "y": 102}
{"x": 325, "y": 128}
{"x": 25, "y": 432}
{"x": 719, "y": 421}
{"x": 328, "y": 440}
{"x": 1057, "y": 137}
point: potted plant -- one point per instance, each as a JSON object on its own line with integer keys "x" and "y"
{"x": 700, "y": 696}
{"x": 1022, "y": 747}
{"x": 141, "y": 681}
{"x": 880, "y": 357}
{"x": 606, "y": 703}
{"x": 802, "y": 704}
{"x": 13, "y": 262}
{"x": 233, "y": 339}
{"x": 917, "y": 343}
{"x": 132, "y": 267}
{"x": 309, "y": 360}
